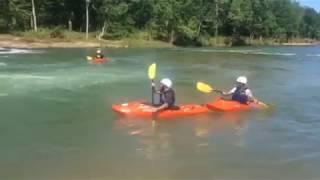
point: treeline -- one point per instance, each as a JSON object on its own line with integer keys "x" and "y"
{"x": 176, "y": 21}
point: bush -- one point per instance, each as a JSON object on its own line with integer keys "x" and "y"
{"x": 143, "y": 35}
{"x": 203, "y": 41}
{"x": 228, "y": 41}
{"x": 57, "y": 32}
{"x": 3, "y": 26}
{"x": 238, "y": 41}
{"x": 115, "y": 35}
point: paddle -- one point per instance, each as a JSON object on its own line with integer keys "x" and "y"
{"x": 152, "y": 75}
{"x": 203, "y": 87}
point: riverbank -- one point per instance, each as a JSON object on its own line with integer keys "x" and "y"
{"x": 57, "y": 38}
{"x": 12, "y": 41}
{"x": 38, "y": 42}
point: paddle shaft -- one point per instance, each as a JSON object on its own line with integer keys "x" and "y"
{"x": 152, "y": 91}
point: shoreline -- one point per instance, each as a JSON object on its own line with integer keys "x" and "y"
{"x": 11, "y": 41}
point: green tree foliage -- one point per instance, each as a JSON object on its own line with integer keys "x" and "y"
{"x": 18, "y": 14}
{"x": 181, "y": 22}
{"x": 310, "y": 25}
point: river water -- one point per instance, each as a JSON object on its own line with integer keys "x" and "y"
{"x": 56, "y": 119}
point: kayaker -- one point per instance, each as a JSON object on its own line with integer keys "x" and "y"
{"x": 167, "y": 95}
{"x": 99, "y": 55}
{"x": 240, "y": 92}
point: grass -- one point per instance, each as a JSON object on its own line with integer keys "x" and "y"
{"x": 137, "y": 39}
{"x": 45, "y": 34}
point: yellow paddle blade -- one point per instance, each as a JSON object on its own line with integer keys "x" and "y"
{"x": 89, "y": 58}
{"x": 203, "y": 87}
{"x": 152, "y": 71}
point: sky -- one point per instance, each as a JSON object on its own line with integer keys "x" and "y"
{"x": 311, "y": 3}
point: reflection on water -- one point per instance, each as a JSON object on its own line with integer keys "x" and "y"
{"x": 161, "y": 139}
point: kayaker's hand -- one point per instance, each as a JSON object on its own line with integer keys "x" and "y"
{"x": 154, "y": 110}
{"x": 153, "y": 84}
{"x": 218, "y": 91}
{"x": 256, "y": 101}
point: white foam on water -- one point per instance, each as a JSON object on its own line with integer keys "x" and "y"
{"x": 3, "y": 64}
{"x": 219, "y": 50}
{"x": 18, "y": 51}
{"x": 274, "y": 54}
{"x": 313, "y": 55}
{"x": 23, "y": 83}
{"x": 250, "y": 52}
{"x": 25, "y": 76}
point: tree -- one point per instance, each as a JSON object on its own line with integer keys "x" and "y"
{"x": 34, "y": 16}
{"x": 287, "y": 17}
{"x": 309, "y": 27}
{"x": 112, "y": 14}
{"x": 241, "y": 16}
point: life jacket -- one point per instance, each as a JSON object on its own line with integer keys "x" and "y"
{"x": 240, "y": 95}
{"x": 168, "y": 96}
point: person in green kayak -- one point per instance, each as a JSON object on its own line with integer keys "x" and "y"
{"x": 99, "y": 55}
{"x": 167, "y": 95}
{"x": 240, "y": 92}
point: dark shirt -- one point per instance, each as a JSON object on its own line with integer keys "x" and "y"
{"x": 168, "y": 96}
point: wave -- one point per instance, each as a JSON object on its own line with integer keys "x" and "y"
{"x": 274, "y": 54}
{"x": 25, "y": 76}
{"x": 313, "y": 55}
{"x": 17, "y": 51}
{"x": 247, "y": 52}
{"x": 4, "y": 94}
{"x": 68, "y": 80}
{"x": 216, "y": 50}
{"x": 2, "y": 64}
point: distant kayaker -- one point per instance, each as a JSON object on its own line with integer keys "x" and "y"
{"x": 99, "y": 55}
{"x": 240, "y": 92}
{"x": 167, "y": 95}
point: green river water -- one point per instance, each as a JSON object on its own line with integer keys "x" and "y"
{"x": 56, "y": 119}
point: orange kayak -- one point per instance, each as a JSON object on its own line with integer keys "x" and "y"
{"x": 228, "y": 105}
{"x": 139, "y": 109}
{"x": 99, "y": 60}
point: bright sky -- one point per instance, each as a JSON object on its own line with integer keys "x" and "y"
{"x": 311, "y": 3}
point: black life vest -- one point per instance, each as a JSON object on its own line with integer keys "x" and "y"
{"x": 168, "y": 96}
{"x": 240, "y": 95}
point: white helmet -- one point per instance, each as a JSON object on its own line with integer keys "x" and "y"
{"x": 242, "y": 79}
{"x": 98, "y": 51}
{"x": 167, "y": 82}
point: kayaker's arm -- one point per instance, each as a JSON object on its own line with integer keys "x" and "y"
{"x": 162, "y": 107}
{"x": 228, "y": 93}
{"x": 251, "y": 97}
